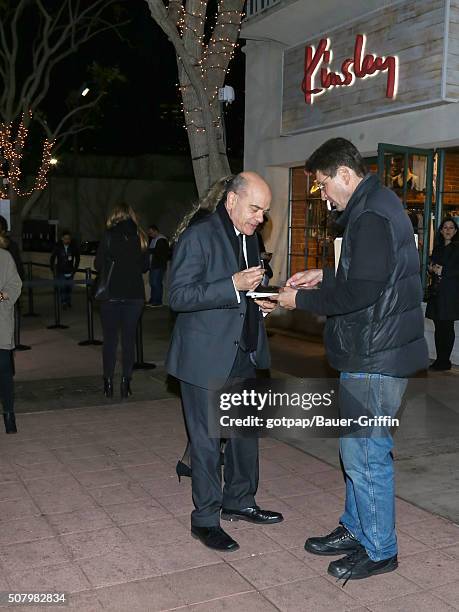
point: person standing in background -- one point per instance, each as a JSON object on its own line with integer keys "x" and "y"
{"x": 64, "y": 262}
{"x": 124, "y": 243}
{"x": 11, "y": 246}
{"x": 10, "y": 289}
{"x": 443, "y": 300}
{"x": 205, "y": 207}
{"x": 159, "y": 255}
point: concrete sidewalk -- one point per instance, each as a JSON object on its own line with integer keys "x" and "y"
{"x": 90, "y": 505}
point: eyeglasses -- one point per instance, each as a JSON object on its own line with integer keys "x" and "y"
{"x": 319, "y": 185}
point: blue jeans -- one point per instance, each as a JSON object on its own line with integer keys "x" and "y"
{"x": 156, "y": 285}
{"x": 65, "y": 288}
{"x": 369, "y": 512}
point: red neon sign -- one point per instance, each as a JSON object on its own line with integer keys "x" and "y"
{"x": 352, "y": 68}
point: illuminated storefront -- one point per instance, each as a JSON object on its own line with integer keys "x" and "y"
{"x": 383, "y": 74}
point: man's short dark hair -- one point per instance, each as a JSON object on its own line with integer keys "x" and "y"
{"x": 334, "y": 153}
{"x": 66, "y": 232}
{"x": 3, "y": 224}
{"x": 153, "y": 227}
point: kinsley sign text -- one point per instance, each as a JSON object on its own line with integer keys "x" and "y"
{"x": 360, "y": 66}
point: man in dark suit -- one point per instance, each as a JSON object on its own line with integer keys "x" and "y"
{"x": 219, "y": 335}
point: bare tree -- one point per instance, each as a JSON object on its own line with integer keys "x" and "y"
{"x": 204, "y": 50}
{"x": 26, "y": 66}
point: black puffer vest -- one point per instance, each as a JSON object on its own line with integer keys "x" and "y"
{"x": 388, "y": 336}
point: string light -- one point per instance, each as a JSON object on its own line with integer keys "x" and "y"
{"x": 215, "y": 56}
{"x": 12, "y": 151}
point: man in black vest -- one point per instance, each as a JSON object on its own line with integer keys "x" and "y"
{"x": 374, "y": 336}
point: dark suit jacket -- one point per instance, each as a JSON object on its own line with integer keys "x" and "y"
{"x": 209, "y": 324}
{"x": 62, "y": 262}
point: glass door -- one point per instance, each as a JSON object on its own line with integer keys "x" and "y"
{"x": 310, "y": 229}
{"x": 409, "y": 172}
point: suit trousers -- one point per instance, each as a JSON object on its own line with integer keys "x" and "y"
{"x": 241, "y": 456}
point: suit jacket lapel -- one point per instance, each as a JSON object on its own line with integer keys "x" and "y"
{"x": 228, "y": 235}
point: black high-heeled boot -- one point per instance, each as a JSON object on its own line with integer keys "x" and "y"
{"x": 108, "y": 387}
{"x": 125, "y": 387}
{"x": 10, "y": 422}
{"x": 182, "y": 469}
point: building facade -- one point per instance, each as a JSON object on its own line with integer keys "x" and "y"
{"x": 383, "y": 74}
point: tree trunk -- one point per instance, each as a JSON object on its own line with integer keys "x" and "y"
{"x": 201, "y": 69}
{"x": 207, "y": 168}
{"x": 15, "y": 215}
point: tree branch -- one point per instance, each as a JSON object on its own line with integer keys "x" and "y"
{"x": 79, "y": 28}
{"x": 73, "y": 112}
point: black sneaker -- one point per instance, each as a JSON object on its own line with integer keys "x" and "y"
{"x": 358, "y": 565}
{"x": 335, "y": 543}
{"x": 440, "y": 366}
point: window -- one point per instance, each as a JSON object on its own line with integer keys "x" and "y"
{"x": 311, "y": 227}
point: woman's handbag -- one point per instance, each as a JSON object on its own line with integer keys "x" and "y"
{"x": 102, "y": 281}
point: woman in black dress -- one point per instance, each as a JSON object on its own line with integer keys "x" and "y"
{"x": 443, "y": 300}
{"x": 124, "y": 243}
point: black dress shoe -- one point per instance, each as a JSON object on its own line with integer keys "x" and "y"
{"x": 214, "y": 537}
{"x": 253, "y": 515}
{"x": 337, "y": 542}
{"x": 10, "y": 423}
{"x": 358, "y": 565}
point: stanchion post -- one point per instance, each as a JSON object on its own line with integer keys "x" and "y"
{"x": 57, "y": 308}
{"x": 31, "y": 312}
{"x": 17, "y": 329}
{"x": 89, "y": 312}
{"x": 140, "y": 364}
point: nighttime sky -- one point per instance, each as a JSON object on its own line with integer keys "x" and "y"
{"x": 140, "y": 115}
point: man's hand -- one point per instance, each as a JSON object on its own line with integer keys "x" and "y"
{"x": 287, "y": 298}
{"x": 267, "y": 306}
{"x": 306, "y": 279}
{"x": 248, "y": 279}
